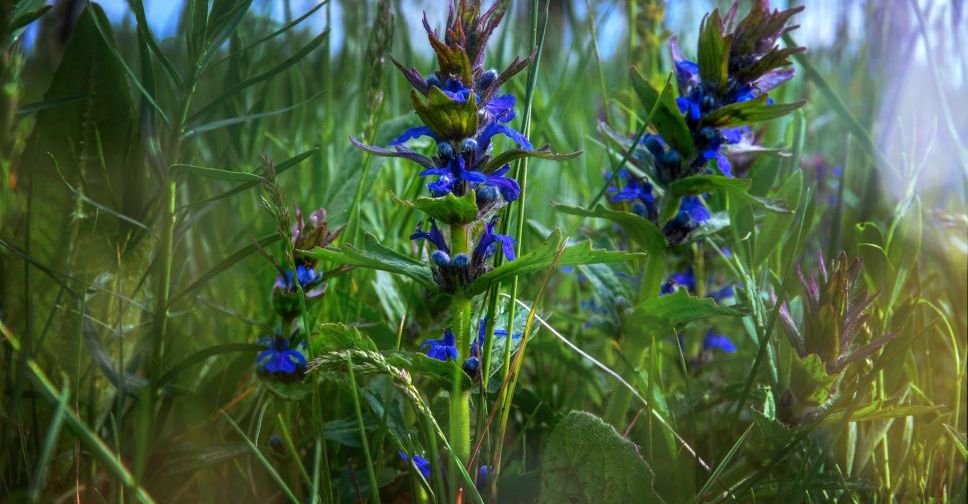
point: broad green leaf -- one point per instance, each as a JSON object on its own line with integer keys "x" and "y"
{"x": 375, "y": 256}
{"x": 775, "y": 225}
{"x": 667, "y": 119}
{"x": 82, "y": 161}
{"x": 713, "y": 51}
{"x": 542, "y": 256}
{"x": 448, "y": 209}
{"x": 737, "y": 188}
{"x": 103, "y": 27}
{"x": 748, "y": 112}
{"x": 677, "y": 308}
{"x": 588, "y": 461}
{"x": 642, "y": 231}
{"x": 542, "y": 153}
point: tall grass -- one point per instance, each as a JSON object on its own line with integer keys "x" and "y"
{"x": 137, "y": 257}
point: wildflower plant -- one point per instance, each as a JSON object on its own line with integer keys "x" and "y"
{"x": 299, "y": 285}
{"x": 730, "y": 295}
{"x": 685, "y": 153}
{"x": 464, "y": 112}
{"x": 826, "y": 341}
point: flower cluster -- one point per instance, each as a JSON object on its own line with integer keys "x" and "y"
{"x": 834, "y": 314}
{"x": 305, "y": 235}
{"x": 451, "y": 273}
{"x": 463, "y": 111}
{"x": 283, "y": 357}
{"x": 445, "y": 349}
{"x": 720, "y": 95}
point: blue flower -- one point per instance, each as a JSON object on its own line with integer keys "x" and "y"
{"x": 433, "y": 236}
{"x": 636, "y": 190}
{"x": 278, "y": 358}
{"x": 487, "y": 244}
{"x": 693, "y": 208}
{"x": 507, "y": 186}
{"x": 721, "y": 294}
{"x": 454, "y": 172}
{"x": 455, "y": 90}
{"x": 411, "y": 133}
{"x": 501, "y": 108}
{"x": 422, "y": 464}
{"x": 495, "y": 128}
{"x": 717, "y": 342}
{"x": 441, "y": 349}
{"x": 478, "y": 343}
{"x": 480, "y": 479}
{"x": 676, "y": 281}
{"x": 305, "y": 275}
{"x": 687, "y": 72}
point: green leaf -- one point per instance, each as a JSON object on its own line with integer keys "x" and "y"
{"x": 225, "y": 264}
{"x": 877, "y": 410}
{"x": 737, "y": 188}
{"x": 449, "y": 119}
{"x": 280, "y": 169}
{"x": 264, "y": 76}
{"x": 103, "y": 27}
{"x": 642, "y": 231}
{"x": 217, "y": 174}
{"x": 330, "y": 337}
{"x": 375, "y": 256}
{"x": 677, "y": 308}
{"x": 588, "y": 461}
{"x": 31, "y": 108}
{"x": 203, "y": 354}
{"x": 449, "y": 209}
{"x": 775, "y": 225}
{"x": 23, "y": 16}
{"x": 713, "y": 51}
{"x": 440, "y": 372}
{"x": 809, "y": 380}
{"x": 544, "y": 255}
{"x": 542, "y": 153}
{"x": 667, "y": 119}
{"x": 749, "y": 112}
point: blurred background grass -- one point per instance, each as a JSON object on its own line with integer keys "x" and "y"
{"x": 96, "y": 215}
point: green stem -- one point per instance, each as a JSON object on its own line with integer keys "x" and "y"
{"x": 621, "y": 399}
{"x": 460, "y": 325}
{"x": 374, "y": 486}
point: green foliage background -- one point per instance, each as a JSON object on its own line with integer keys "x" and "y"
{"x": 134, "y": 286}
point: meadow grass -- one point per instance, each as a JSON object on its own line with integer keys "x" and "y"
{"x": 149, "y": 190}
